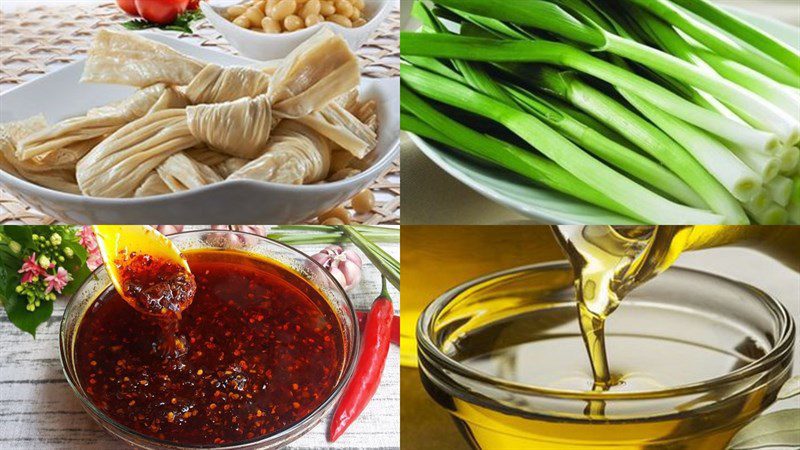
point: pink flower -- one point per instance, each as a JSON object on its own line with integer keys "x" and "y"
{"x": 94, "y": 260}
{"x": 86, "y": 237}
{"x": 57, "y": 281}
{"x": 89, "y": 242}
{"x": 30, "y": 269}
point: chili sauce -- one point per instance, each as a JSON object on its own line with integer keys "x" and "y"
{"x": 263, "y": 349}
{"x": 154, "y": 285}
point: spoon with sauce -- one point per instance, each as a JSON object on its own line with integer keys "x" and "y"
{"x": 147, "y": 270}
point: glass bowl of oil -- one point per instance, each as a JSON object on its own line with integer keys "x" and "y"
{"x": 266, "y": 347}
{"x": 694, "y": 357}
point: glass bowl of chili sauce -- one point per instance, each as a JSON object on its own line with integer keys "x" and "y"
{"x": 257, "y": 359}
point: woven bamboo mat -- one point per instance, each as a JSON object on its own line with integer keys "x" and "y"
{"x": 39, "y": 40}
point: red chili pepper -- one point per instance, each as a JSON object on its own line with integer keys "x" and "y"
{"x": 362, "y": 321}
{"x": 396, "y": 330}
{"x": 369, "y": 368}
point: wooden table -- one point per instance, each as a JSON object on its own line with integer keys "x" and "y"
{"x": 39, "y": 411}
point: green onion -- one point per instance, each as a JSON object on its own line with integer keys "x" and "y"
{"x": 552, "y": 18}
{"x": 765, "y": 165}
{"x": 774, "y": 92}
{"x": 594, "y": 141}
{"x": 432, "y": 65}
{"x": 477, "y": 49}
{"x": 538, "y": 14}
{"x": 646, "y": 136}
{"x": 735, "y": 176}
{"x": 365, "y": 237}
{"x": 746, "y": 32}
{"x": 719, "y": 43}
{"x": 647, "y": 207}
{"x": 773, "y": 214}
{"x": 780, "y": 190}
{"x": 794, "y": 202}
{"x": 764, "y": 115}
{"x": 669, "y": 40}
{"x": 505, "y": 155}
{"x": 789, "y": 158}
{"x": 679, "y": 109}
{"x": 610, "y": 151}
{"x": 494, "y": 26}
{"x": 759, "y": 202}
{"x": 329, "y": 234}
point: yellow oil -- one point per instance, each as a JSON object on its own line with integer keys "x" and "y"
{"x": 437, "y": 258}
{"x": 609, "y": 262}
{"x": 517, "y": 335}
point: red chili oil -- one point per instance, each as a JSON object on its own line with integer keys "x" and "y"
{"x": 264, "y": 349}
{"x": 154, "y": 285}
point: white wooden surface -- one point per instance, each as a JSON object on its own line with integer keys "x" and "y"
{"x": 39, "y": 411}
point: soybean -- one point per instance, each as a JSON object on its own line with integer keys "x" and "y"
{"x": 363, "y": 202}
{"x": 279, "y": 16}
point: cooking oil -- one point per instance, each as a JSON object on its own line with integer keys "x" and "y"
{"x": 437, "y": 258}
{"x": 529, "y": 384}
{"x": 653, "y": 381}
{"x": 610, "y": 261}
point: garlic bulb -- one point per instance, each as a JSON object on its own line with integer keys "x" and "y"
{"x": 344, "y": 265}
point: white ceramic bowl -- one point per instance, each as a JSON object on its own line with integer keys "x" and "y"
{"x": 60, "y": 95}
{"x": 265, "y": 47}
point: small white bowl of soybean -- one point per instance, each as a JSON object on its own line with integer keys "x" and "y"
{"x": 270, "y": 29}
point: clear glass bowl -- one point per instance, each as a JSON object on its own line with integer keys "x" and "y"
{"x": 229, "y": 240}
{"x": 471, "y": 362}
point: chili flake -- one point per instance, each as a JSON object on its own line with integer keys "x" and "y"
{"x": 205, "y": 393}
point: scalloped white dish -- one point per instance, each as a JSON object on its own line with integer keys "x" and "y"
{"x": 264, "y": 47}
{"x": 60, "y": 95}
{"x": 540, "y": 204}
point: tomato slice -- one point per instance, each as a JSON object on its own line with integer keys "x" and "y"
{"x": 161, "y": 12}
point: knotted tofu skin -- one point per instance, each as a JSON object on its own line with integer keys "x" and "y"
{"x": 216, "y": 84}
{"x": 119, "y": 165}
{"x": 295, "y": 154}
{"x": 239, "y": 128}
{"x": 124, "y": 57}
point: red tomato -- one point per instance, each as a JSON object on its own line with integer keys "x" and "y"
{"x": 161, "y": 12}
{"x": 128, "y": 6}
{"x": 193, "y": 4}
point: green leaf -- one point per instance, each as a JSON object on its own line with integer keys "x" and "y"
{"x": 26, "y": 320}
{"x": 790, "y": 389}
{"x": 9, "y": 279}
{"x": 78, "y": 277}
{"x": 780, "y": 428}
{"x": 138, "y": 24}
{"x": 19, "y": 233}
{"x": 181, "y": 24}
{"x": 76, "y": 265}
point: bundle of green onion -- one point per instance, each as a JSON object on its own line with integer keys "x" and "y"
{"x": 659, "y": 111}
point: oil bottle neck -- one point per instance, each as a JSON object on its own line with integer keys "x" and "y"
{"x": 779, "y": 242}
